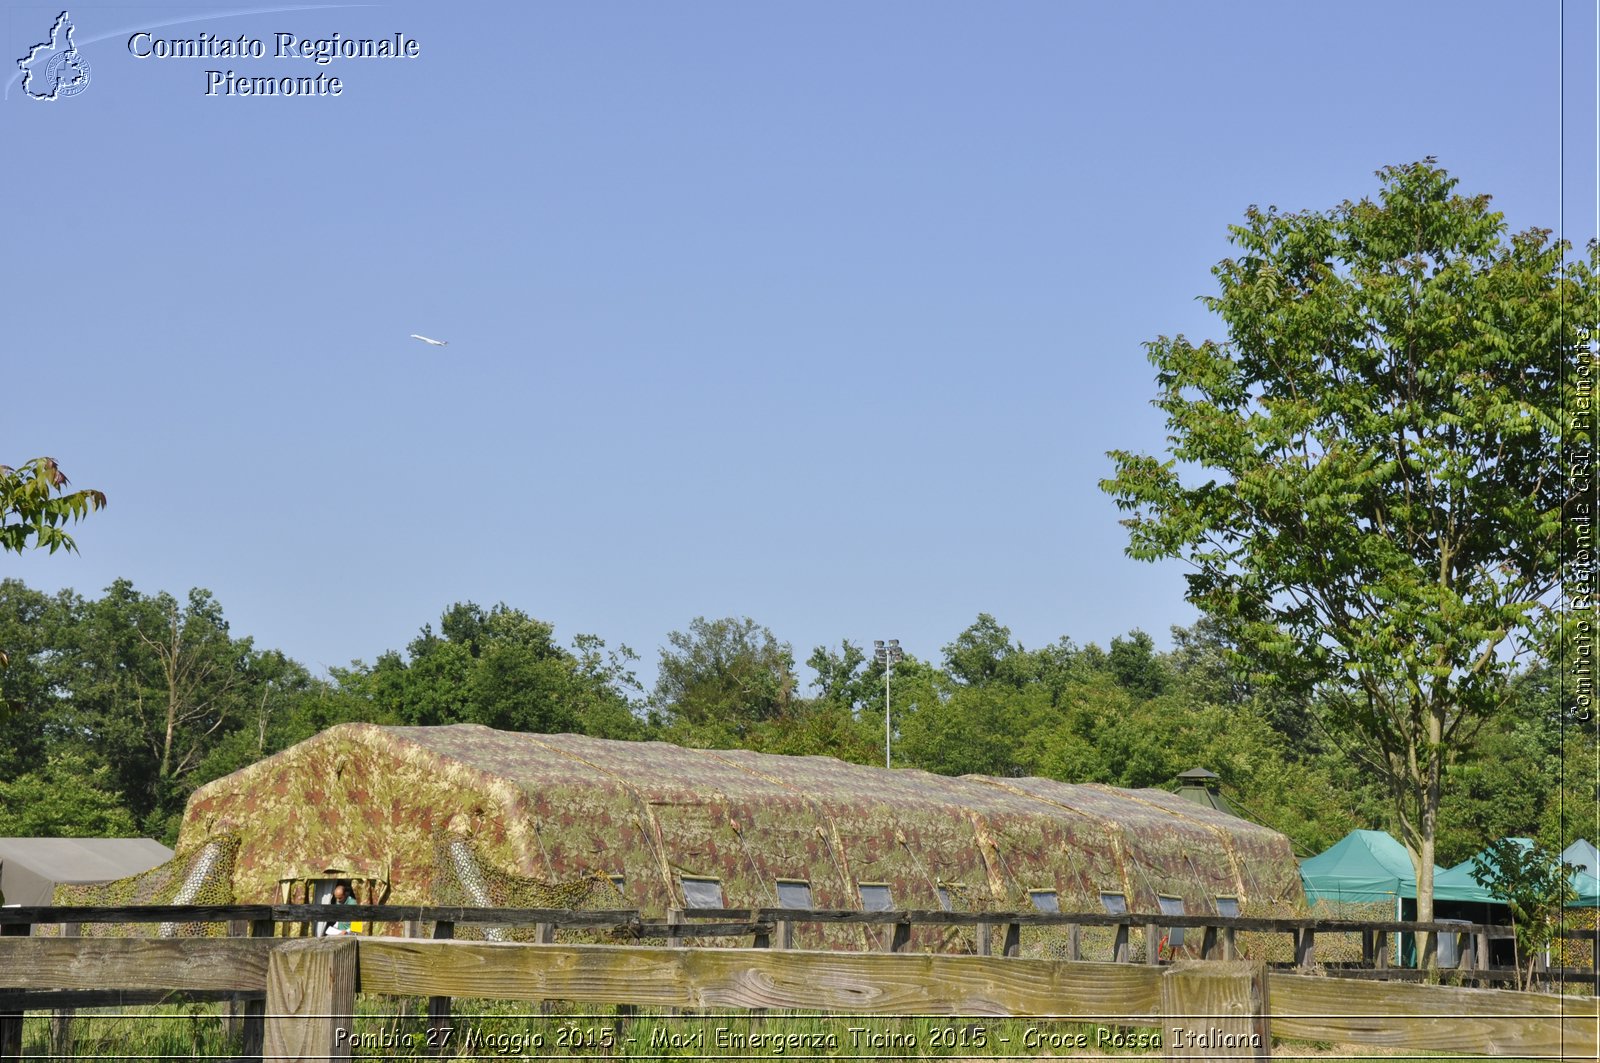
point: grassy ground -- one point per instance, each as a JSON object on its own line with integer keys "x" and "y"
{"x": 396, "y": 1029}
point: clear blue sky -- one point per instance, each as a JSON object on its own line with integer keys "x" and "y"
{"x": 820, "y": 313}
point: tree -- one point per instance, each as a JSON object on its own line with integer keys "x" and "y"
{"x": 1536, "y": 885}
{"x": 1381, "y": 522}
{"x": 501, "y": 668}
{"x": 35, "y": 504}
{"x": 156, "y": 686}
{"x": 64, "y": 798}
{"x": 720, "y": 679}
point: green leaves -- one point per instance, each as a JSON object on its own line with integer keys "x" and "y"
{"x": 1364, "y": 474}
{"x": 34, "y": 505}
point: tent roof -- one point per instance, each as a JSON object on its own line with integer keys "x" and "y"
{"x": 552, "y": 805}
{"x": 1584, "y": 855}
{"x": 1584, "y": 884}
{"x": 30, "y": 868}
{"x": 1369, "y": 865}
{"x": 1364, "y": 865}
{"x": 1588, "y": 890}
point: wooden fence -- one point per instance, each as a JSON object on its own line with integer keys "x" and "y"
{"x": 299, "y": 993}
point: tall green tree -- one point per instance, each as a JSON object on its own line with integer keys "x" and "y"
{"x": 501, "y": 668}
{"x": 1364, "y": 474}
{"x": 720, "y": 679}
{"x": 157, "y": 685}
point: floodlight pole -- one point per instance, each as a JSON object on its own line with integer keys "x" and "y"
{"x": 887, "y": 656}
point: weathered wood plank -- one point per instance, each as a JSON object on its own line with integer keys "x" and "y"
{"x": 1215, "y": 1009}
{"x": 134, "y": 963}
{"x": 141, "y": 913}
{"x": 48, "y": 999}
{"x": 683, "y": 929}
{"x": 864, "y": 983}
{"x": 566, "y": 919}
{"x": 1494, "y": 1022}
{"x": 311, "y": 999}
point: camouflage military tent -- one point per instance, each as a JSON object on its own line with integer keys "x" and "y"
{"x": 468, "y": 815}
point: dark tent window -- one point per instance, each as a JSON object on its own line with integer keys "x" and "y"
{"x": 1045, "y": 900}
{"x": 794, "y": 893}
{"x": 875, "y": 897}
{"x": 1172, "y": 906}
{"x": 1228, "y": 907}
{"x": 944, "y": 900}
{"x": 621, "y": 882}
{"x": 702, "y": 892}
{"x": 1114, "y": 903}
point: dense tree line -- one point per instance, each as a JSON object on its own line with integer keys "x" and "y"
{"x": 123, "y": 704}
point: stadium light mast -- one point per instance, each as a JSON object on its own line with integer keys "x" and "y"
{"x": 888, "y": 656}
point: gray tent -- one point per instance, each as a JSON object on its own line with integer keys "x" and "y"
{"x": 31, "y": 868}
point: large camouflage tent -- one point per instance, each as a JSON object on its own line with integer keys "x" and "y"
{"x": 467, "y": 815}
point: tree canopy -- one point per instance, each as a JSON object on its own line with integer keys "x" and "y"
{"x": 1364, "y": 473}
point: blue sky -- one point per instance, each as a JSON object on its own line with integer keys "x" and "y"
{"x": 819, "y": 313}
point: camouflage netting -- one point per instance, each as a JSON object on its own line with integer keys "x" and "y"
{"x": 461, "y": 878}
{"x": 555, "y": 816}
{"x": 198, "y": 873}
{"x": 1337, "y": 948}
{"x": 1569, "y": 952}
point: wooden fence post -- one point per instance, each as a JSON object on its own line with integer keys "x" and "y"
{"x": 253, "y": 1021}
{"x": 1013, "y": 942}
{"x": 1119, "y": 946}
{"x": 11, "y": 1021}
{"x": 436, "y": 1031}
{"x": 785, "y": 934}
{"x": 985, "y": 939}
{"x": 1215, "y": 1010}
{"x": 899, "y": 937}
{"x": 1152, "y": 944}
{"x": 311, "y": 999}
{"x": 61, "y": 1021}
{"x": 1305, "y": 949}
{"x": 1380, "y": 950}
{"x": 233, "y": 1010}
{"x": 1074, "y": 943}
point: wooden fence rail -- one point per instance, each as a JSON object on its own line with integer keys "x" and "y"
{"x": 1201, "y": 1009}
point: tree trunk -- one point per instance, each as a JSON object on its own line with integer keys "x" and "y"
{"x": 1427, "y": 944}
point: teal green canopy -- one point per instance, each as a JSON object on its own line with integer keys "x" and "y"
{"x": 1363, "y": 866}
{"x": 1588, "y": 889}
{"x": 1459, "y": 878}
